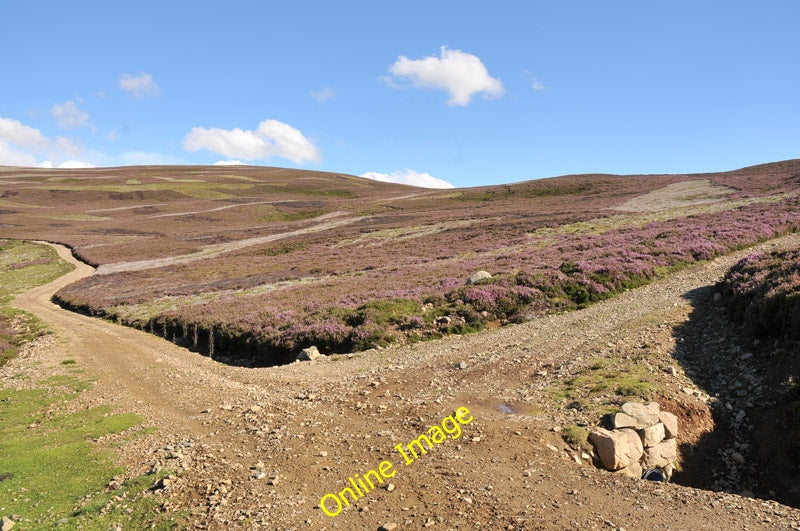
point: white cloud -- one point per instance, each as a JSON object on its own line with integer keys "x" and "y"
{"x": 75, "y": 164}
{"x": 140, "y": 86}
{"x": 390, "y": 81}
{"x": 229, "y": 163}
{"x": 69, "y": 116}
{"x": 65, "y": 145}
{"x": 67, "y": 164}
{"x": 410, "y": 177}
{"x": 535, "y": 83}
{"x": 323, "y": 95}
{"x": 20, "y": 144}
{"x": 271, "y": 139}
{"x": 145, "y": 158}
{"x": 461, "y": 74}
{"x": 12, "y": 157}
{"x": 19, "y": 134}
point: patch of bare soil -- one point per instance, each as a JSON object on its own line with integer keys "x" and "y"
{"x": 260, "y": 448}
{"x": 677, "y": 195}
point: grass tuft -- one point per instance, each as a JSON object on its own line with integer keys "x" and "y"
{"x": 23, "y": 265}
{"x": 577, "y": 437}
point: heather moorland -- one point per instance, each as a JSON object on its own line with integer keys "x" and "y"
{"x": 252, "y": 264}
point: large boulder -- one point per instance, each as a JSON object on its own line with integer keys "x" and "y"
{"x": 661, "y": 455}
{"x": 645, "y": 414}
{"x": 652, "y": 435}
{"x": 308, "y": 354}
{"x": 633, "y": 470}
{"x": 616, "y": 449}
{"x": 623, "y": 420}
{"x": 670, "y": 423}
{"x": 478, "y": 276}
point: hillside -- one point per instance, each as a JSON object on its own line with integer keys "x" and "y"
{"x": 670, "y": 275}
{"x": 252, "y": 264}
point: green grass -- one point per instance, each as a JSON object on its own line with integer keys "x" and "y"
{"x": 628, "y": 382}
{"x": 389, "y": 311}
{"x": 53, "y": 475}
{"x": 577, "y": 437}
{"x": 23, "y": 265}
{"x": 604, "y": 381}
{"x": 193, "y": 189}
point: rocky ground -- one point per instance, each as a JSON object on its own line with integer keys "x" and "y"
{"x": 259, "y": 448}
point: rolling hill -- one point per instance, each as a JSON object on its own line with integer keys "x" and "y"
{"x": 252, "y": 264}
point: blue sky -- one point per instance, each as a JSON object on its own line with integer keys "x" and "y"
{"x": 469, "y": 93}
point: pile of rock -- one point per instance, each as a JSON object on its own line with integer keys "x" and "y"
{"x": 642, "y": 437}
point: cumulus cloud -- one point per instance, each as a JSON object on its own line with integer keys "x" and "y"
{"x": 410, "y": 177}
{"x": 65, "y": 145}
{"x": 459, "y": 73}
{"x": 21, "y": 145}
{"x": 17, "y": 133}
{"x": 271, "y": 139}
{"x": 69, "y": 116}
{"x": 323, "y": 95}
{"x": 139, "y": 86}
{"x": 229, "y": 163}
{"x": 12, "y": 157}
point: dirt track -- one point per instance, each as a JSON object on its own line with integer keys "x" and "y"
{"x": 217, "y": 249}
{"x": 259, "y": 448}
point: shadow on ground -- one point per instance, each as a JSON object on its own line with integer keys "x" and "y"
{"x": 752, "y": 447}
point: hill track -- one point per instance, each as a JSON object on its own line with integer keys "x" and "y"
{"x": 260, "y": 447}
{"x": 217, "y": 249}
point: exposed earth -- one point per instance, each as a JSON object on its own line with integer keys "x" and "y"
{"x": 260, "y": 447}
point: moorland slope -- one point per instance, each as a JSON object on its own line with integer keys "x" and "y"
{"x": 253, "y": 264}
